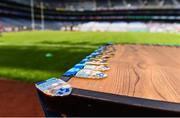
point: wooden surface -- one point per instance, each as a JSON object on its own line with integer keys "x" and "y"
{"x": 151, "y": 72}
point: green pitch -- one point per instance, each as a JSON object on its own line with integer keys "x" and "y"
{"x": 35, "y": 56}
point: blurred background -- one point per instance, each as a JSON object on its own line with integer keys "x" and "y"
{"x": 91, "y": 15}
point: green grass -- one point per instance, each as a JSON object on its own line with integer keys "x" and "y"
{"x": 23, "y": 54}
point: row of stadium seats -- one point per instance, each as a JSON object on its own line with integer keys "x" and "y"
{"x": 82, "y": 5}
{"x": 18, "y": 22}
{"x": 25, "y": 24}
{"x": 12, "y": 9}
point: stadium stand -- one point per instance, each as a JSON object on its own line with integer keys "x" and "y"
{"x": 76, "y": 14}
{"x": 104, "y": 4}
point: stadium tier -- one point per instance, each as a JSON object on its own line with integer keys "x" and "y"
{"x": 83, "y": 5}
{"x": 66, "y": 14}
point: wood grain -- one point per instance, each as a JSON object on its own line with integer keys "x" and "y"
{"x": 151, "y": 72}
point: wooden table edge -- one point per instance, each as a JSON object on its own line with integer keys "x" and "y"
{"x": 125, "y": 100}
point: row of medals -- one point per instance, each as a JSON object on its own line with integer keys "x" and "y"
{"x": 96, "y": 66}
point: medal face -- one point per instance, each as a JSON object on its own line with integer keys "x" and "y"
{"x": 97, "y": 68}
{"x": 54, "y": 87}
{"x": 87, "y": 73}
{"x": 95, "y": 63}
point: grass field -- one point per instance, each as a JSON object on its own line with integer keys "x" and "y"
{"x": 24, "y": 55}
